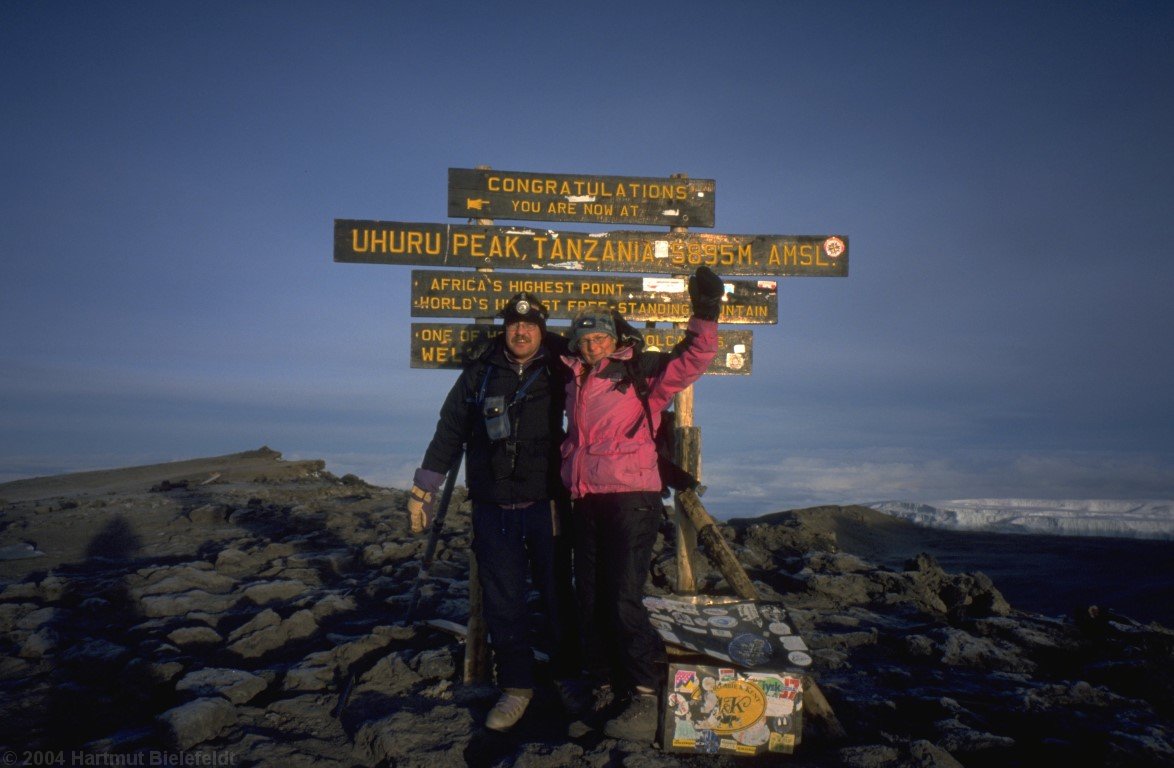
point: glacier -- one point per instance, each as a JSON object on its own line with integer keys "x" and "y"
{"x": 1151, "y": 519}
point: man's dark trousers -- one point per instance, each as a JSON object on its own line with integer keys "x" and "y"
{"x": 513, "y": 547}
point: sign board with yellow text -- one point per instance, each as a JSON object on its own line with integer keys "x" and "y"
{"x": 465, "y": 293}
{"x": 448, "y": 345}
{"x": 675, "y": 253}
{"x": 520, "y": 195}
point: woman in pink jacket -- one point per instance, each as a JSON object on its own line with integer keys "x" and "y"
{"x": 609, "y": 463}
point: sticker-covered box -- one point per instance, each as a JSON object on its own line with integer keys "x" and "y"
{"x": 744, "y": 693}
{"x": 724, "y": 710}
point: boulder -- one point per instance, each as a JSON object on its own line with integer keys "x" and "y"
{"x": 197, "y": 600}
{"x": 235, "y": 685}
{"x": 262, "y": 635}
{"x": 263, "y": 592}
{"x": 197, "y": 721}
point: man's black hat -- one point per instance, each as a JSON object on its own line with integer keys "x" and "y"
{"x": 527, "y": 307}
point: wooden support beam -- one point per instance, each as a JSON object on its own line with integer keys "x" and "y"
{"x": 717, "y": 550}
{"x": 688, "y": 458}
{"x": 476, "y": 668}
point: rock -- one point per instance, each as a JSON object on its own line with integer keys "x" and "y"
{"x": 194, "y": 636}
{"x": 262, "y": 636}
{"x": 22, "y": 591}
{"x": 273, "y": 591}
{"x": 316, "y": 672}
{"x": 208, "y": 514}
{"x": 95, "y": 651}
{"x": 408, "y": 739}
{"x": 40, "y": 617}
{"x": 926, "y": 754}
{"x": 319, "y": 671}
{"x": 185, "y": 579}
{"x": 52, "y": 588}
{"x": 390, "y": 675}
{"x": 234, "y": 562}
{"x": 197, "y": 600}
{"x": 963, "y": 649}
{"x": 263, "y": 620}
{"x": 197, "y": 721}
{"x": 391, "y": 551}
{"x": 236, "y": 685}
{"x": 39, "y": 644}
{"x": 871, "y": 756}
{"x": 433, "y": 664}
{"x": 11, "y": 613}
{"x": 957, "y": 737}
{"x": 19, "y": 552}
{"x": 13, "y": 668}
{"x": 333, "y": 604}
{"x": 143, "y": 674}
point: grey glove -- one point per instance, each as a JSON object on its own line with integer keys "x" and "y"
{"x": 706, "y": 291}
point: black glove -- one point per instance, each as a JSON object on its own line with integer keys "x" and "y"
{"x": 706, "y": 290}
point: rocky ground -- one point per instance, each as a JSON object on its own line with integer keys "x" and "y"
{"x": 214, "y": 610}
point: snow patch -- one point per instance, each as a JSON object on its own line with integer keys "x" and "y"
{"x": 1062, "y": 517}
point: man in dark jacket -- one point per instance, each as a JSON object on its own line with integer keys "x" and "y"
{"x": 506, "y": 410}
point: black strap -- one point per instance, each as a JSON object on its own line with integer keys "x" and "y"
{"x": 672, "y": 474}
{"x": 640, "y": 384}
{"x": 518, "y": 393}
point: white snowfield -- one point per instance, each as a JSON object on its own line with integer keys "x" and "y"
{"x": 1062, "y": 517}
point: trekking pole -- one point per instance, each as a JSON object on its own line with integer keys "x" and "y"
{"x": 433, "y": 538}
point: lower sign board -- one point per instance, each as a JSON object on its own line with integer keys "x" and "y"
{"x": 446, "y": 345}
{"x": 448, "y": 293}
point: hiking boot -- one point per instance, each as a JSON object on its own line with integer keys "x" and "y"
{"x": 508, "y": 710}
{"x": 637, "y": 722}
{"x": 603, "y": 697}
{"x": 600, "y": 706}
{"x": 575, "y": 695}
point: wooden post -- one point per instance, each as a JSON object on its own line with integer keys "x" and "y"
{"x": 689, "y": 459}
{"x": 476, "y": 668}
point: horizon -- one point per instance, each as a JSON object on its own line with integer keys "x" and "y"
{"x": 174, "y": 171}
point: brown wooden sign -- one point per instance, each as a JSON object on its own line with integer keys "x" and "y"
{"x": 451, "y": 293}
{"x": 489, "y": 194}
{"x": 470, "y": 245}
{"x": 445, "y": 345}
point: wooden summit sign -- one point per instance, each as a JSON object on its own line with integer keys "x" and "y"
{"x": 490, "y": 194}
{"x": 471, "y": 245}
{"x": 451, "y": 293}
{"x": 445, "y": 345}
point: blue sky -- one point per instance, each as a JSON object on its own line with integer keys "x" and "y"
{"x": 171, "y": 173}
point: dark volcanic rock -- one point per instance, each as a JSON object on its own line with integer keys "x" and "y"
{"x": 229, "y": 605}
